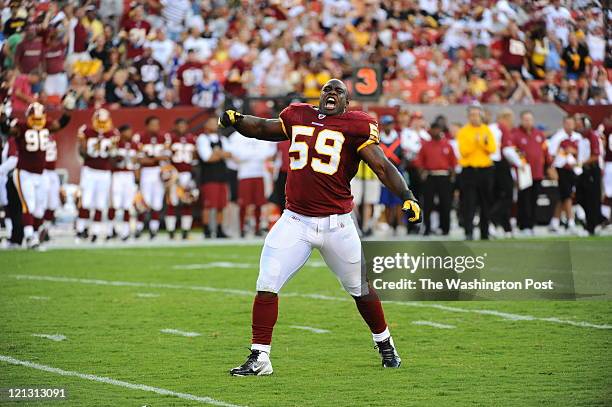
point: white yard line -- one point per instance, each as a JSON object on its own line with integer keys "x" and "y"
{"x": 503, "y": 315}
{"x": 56, "y": 337}
{"x": 39, "y": 298}
{"x": 180, "y": 333}
{"x": 147, "y": 295}
{"x": 434, "y": 324}
{"x": 215, "y": 264}
{"x": 114, "y": 382}
{"x": 311, "y": 329}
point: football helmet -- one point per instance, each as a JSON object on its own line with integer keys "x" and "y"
{"x": 36, "y": 117}
{"x": 101, "y": 121}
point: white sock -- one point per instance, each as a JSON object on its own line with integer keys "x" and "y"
{"x": 28, "y": 231}
{"x": 571, "y": 223}
{"x": 97, "y": 228}
{"x": 170, "y": 223}
{"x": 81, "y": 224}
{"x": 262, "y": 348}
{"x": 8, "y": 224}
{"x": 186, "y": 222}
{"x": 554, "y": 222}
{"x": 154, "y": 225}
{"x": 124, "y": 228}
{"x": 139, "y": 226}
{"x": 381, "y": 336}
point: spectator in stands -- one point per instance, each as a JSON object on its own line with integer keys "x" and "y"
{"x": 208, "y": 93}
{"x": 29, "y": 52}
{"x": 56, "y": 82}
{"x": 476, "y": 143}
{"x": 575, "y": 58}
{"x": 188, "y": 76}
{"x": 531, "y": 144}
{"x": 135, "y": 29}
{"x": 123, "y": 91}
{"x": 22, "y": 91}
{"x": 436, "y": 161}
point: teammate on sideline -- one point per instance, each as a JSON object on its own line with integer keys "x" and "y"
{"x": 96, "y": 145}
{"x": 182, "y": 149}
{"x": 32, "y": 138}
{"x": 327, "y": 144}
{"x": 124, "y": 181}
{"x": 153, "y": 148}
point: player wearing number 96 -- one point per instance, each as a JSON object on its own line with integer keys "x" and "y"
{"x": 327, "y": 144}
{"x": 96, "y": 145}
{"x": 32, "y": 139}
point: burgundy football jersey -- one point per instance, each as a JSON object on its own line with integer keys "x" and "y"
{"x": 153, "y": 145}
{"x": 324, "y": 157}
{"x": 182, "y": 148}
{"x": 51, "y": 153}
{"x": 126, "y": 155}
{"x": 31, "y": 147}
{"x": 99, "y": 147}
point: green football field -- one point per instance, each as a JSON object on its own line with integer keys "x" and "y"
{"x": 104, "y": 310}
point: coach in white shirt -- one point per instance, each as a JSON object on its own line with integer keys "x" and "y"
{"x": 250, "y": 156}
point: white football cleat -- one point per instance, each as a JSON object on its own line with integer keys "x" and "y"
{"x": 257, "y": 364}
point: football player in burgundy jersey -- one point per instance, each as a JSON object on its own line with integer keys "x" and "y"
{"x": 327, "y": 144}
{"x": 153, "y": 151}
{"x": 182, "y": 150}
{"x": 32, "y": 139}
{"x": 51, "y": 183}
{"x": 607, "y": 181}
{"x": 123, "y": 184}
{"x": 96, "y": 146}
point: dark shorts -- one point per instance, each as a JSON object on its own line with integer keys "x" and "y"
{"x": 388, "y": 198}
{"x": 251, "y": 192}
{"x": 214, "y": 195}
{"x": 567, "y": 181}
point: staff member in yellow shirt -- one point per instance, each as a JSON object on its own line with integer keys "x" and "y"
{"x": 476, "y": 143}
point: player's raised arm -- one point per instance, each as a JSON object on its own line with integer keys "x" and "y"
{"x": 389, "y": 175}
{"x": 252, "y": 126}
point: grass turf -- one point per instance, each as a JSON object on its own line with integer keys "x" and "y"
{"x": 113, "y": 332}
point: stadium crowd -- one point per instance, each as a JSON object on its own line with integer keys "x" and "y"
{"x": 161, "y": 53}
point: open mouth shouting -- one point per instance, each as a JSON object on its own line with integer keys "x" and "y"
{"x": 330, "y": 103}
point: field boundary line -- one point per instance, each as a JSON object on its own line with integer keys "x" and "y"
{"x": 115, "y": 382}
{"x": 231, "y": 291}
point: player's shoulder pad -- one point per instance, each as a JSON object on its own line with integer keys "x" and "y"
{"x": 360, "y": 115}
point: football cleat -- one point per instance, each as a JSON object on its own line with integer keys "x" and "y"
{"x": 257, "y": 364}
{"x": 171, "y": 235}
{"x": 220, "y": 233}
{"x": 32, "y": 243}
{"x": 389, "y": 355}
{"x": 185, "y": 235}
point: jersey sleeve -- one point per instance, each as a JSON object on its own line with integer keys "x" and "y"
{"x": 367, "y": 133}
{"x": 290, "y": 116}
